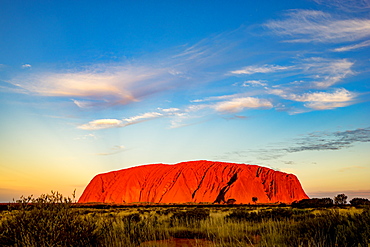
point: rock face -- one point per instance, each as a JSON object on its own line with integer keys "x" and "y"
{"x": 194, "y": 181}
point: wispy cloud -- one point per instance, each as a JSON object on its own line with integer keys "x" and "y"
{"x": 339, "y": 95}
{"x": 326, "y": 72}
{"x": 83, "y": 103}
{"x": 119, "y": 123}
{"x": 254, "y": 83}
{"x": 25, "y": 66}
{"x": 322, "y": 100}
{"x": 224, "y": 104}
{"x": 169, "y": 110}
{"x": 230, "y": 103}
{"x": 316, "y": 141}
{"x": 216, "y": 98}
{"x": 187, "y": 119}
{"x": 317, "y": 71}
{"x": 253, "y": 69}
{"x": 102, "y": 124}
{"x": 353, "y": 47}
{"x": 86, "y": 137}
{"x": 239, "y": 104}
{"x": 317, "y": 26}
{"x": 142, "y": 117}
{"x": 209, "y": 50}
{"x": 347, "y": 5}
{"x": 103, "y": 84}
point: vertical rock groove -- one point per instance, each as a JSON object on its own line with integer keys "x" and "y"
{"x": 201, "y": 181}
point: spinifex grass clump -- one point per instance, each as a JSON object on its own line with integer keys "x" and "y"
{"x": 46, "y": 221}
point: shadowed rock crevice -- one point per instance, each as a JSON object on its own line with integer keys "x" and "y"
{"x": 221, "y": 196}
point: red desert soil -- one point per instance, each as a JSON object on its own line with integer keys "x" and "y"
{"x": 194, "y": 181}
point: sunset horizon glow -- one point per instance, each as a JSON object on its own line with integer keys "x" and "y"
{"x": 89, "y": 87}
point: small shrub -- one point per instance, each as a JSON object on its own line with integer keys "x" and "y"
{"x": 254, "y": 199}
{"x": 340, "y": 199}
{"x": 230, "y": 201}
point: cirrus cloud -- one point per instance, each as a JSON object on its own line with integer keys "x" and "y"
{"x": 326, "y": 72}
{"x": 259, "y": 69}
{"x": 99, "y": 85}
{"x": 239, "y": 104}
{"x": 321, "y": 100}
{"x": 117, "y": 123}
{"x": 254, "y": 83}
{"x": 102, "y": 124}
{"x": 316, "y": 26}
{"x": 339, "y": 95}
{"x": 353, "y": 47}
{"x": 347, "y": 5}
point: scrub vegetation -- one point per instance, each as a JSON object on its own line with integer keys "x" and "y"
{"x": 52, "y": 220}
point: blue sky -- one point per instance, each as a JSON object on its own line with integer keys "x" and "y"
{"x": 87, "y": 87}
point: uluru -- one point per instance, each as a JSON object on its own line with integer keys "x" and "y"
{"x": 194, "y": 181}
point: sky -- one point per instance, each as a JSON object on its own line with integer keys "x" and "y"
{"x": 88, "y": 87}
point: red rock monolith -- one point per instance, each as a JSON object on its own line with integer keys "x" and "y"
{"x": 194, "y": 181}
